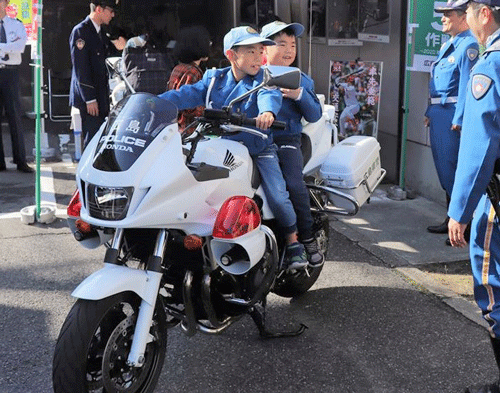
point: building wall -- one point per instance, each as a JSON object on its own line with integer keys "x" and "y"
{"x": 420, "y": 174}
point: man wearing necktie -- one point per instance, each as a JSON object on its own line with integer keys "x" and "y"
{"x": 89, "y": 47}
{"x": 447, "y": 87}
{"x": 12, "y": 42}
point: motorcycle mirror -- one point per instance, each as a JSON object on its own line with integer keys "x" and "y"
{"x": 284, "y": 77}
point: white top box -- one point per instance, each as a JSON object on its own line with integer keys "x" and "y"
{"x": 351, "y": 161}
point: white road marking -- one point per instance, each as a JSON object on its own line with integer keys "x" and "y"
{"x": 47, "y": 194}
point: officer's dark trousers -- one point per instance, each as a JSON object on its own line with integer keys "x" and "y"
{"x": 9, "y": 99}
{"x": 292, "y": 163}
{"x": 90, "y": 125}
{"x": 485, "y": 262}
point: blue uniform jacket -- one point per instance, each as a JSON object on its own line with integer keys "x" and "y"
{"x": 292, "y": 111}
{"x": 455, "y": 59}
{"x": 224, "y": 89}
{"x": 480, "y": 139}
{"x": 89, "y": 77}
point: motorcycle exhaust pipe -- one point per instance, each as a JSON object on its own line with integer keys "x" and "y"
{"x": 189, "y": 325}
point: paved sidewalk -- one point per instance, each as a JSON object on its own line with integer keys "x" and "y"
{"x": 395, "y": 231}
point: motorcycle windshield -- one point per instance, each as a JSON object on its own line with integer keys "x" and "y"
{"x": 131, "y": 127}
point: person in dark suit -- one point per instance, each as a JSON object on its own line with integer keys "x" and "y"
{"x": 89, "y": 47}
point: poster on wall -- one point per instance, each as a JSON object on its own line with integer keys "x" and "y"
{"x": 373, "y": 21}
{"x": 355, "y": 92}
{"x": 428, "y": 35}
{"x": 26, "y": 11}
{"x": 343, "y": 23}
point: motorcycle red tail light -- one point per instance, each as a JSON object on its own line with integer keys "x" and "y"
{"x": 75, "y": 205}
{"x": 237, "y": 216}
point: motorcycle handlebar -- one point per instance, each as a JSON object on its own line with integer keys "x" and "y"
{"x": 237, "y": 119}
{"x": 277, "y": 125}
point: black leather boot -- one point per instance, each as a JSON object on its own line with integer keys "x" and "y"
{"x": 491, "y": 387}
{"x": 441, "y": 228}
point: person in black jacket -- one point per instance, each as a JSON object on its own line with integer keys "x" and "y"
{"x": 89, "y": 47}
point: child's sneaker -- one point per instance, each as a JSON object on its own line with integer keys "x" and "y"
{"x": 295, "y": 257}
{"x": 314, "y": 254}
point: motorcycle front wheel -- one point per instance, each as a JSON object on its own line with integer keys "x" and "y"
{"x": 93, "y": 345}
{"x": 297, "y": 282}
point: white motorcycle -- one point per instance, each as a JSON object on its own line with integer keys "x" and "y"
{"x": 189, "y": 239}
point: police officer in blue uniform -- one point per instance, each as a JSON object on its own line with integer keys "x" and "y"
{"x": 447, "y": 86}
{"x": 89, "y": 47}
{"x": 479, "y": 150}
{"x": 12, "y": 42}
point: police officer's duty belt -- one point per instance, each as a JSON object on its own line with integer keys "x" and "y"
{"x": 438, "y": 100}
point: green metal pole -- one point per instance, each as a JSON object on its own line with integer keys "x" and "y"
{"x": 38, "y": 94}
{"x": 402, "y": 172}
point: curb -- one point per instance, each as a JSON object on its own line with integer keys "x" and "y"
{"x": 465, "y": 307}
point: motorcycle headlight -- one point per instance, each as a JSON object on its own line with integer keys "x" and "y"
{"x": 109, "y": 203}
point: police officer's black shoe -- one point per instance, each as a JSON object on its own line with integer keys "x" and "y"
{"x": 3, "y": 167}
{"x": 25, "y": 168}
{"x": 441, "y": 228}
{"x": 489, "y": 388}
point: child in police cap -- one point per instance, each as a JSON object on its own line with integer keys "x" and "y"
{"x": 298, "y": 103}
{"x": 244, "y": 48}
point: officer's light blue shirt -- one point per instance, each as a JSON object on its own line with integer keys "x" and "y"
{"x": 480, "y": 139}
{"x": 449, "y": 72}
{"x": 224, "y": 89}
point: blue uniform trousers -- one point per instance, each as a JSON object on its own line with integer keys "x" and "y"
{"x": 292, "y": 163}
{"x": 274, "y": 187}
{"x": 485, "y": 261}
{"x": 444, "y": 143}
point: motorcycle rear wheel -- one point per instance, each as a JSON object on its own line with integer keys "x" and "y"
{"x": 300, "y": 281}
{"x": 94, "y": 343}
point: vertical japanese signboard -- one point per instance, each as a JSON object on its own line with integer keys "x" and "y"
{"x": 26, "y": 11}
{"x": 428, "y": 34}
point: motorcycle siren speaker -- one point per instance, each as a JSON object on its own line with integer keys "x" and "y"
{"x": 238, "y": 244}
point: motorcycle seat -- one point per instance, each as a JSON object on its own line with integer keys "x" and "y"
{"x": 205, "y": 172}
{"x": 306, "y": 148}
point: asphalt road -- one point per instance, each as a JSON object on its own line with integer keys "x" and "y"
{"x": 369, "y": 330}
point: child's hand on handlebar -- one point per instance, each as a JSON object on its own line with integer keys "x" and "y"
{"x": 264, "y": 120}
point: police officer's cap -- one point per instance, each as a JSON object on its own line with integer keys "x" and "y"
{"x": 453, "y": 5}
{"x": 491, "y": 3}
{"x": 105, "y": 3}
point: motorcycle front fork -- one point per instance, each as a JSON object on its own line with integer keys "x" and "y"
{"x": 145, "y": 317}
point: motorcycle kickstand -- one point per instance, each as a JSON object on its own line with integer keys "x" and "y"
{"x": 259, "y": 318}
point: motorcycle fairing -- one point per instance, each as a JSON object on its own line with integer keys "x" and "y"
{"x": 166, "y": 193}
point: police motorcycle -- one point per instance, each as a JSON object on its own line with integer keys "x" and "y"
{"x": 189, "y": 241}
